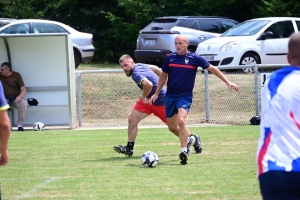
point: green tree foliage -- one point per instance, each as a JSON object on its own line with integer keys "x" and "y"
{"x": 115, "y": 24}
{"x": 89, "y": 16}
{"x": 239, "y": 10}
{"x": 134, "y": 16}
{"x": 279, "y": 8}
{"x": 35, "y": 9}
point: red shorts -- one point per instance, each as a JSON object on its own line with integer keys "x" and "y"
{"x": 159, "y": 111}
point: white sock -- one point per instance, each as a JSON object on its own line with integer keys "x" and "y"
{"x": 184, "y": 149}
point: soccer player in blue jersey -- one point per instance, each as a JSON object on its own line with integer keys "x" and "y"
{"x": 278, "y": 151}
{"x": 180, "y": 69}
{"x": 146, "y": 78}
{"x": 4, "y": 128}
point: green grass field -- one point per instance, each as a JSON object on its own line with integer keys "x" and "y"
{"x": 81, "y": 164}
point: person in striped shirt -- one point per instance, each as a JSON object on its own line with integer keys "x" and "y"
{"x": 278, "y": 151}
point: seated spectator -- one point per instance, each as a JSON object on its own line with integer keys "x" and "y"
{"x": 14, "y": 90}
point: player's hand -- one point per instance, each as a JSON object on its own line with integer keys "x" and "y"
{"x": 145, "y": 100}
{"x": 233, "y": 86}
{"x": 166, "y": 83}
{"x": 153, "y": 99}
{"x": 18, "y": 98}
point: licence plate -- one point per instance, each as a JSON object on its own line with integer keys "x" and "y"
{"x": 208, "y": 58}
{"x": 150, "y": 42}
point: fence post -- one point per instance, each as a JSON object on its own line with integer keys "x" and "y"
{"x": 79, "y": 98}
{"x": 256, "y": 90}
{"x": 207, "y": 109}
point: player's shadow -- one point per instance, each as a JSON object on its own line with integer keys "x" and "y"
{"x": 115, "y": 158}
{"x": 162, "y": 162}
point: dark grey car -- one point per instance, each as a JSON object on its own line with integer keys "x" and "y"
{"x": 156, "y": 40}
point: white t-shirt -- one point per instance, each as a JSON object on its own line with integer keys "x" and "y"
{"x": 279, "y": 142}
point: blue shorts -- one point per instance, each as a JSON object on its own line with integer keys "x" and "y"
{"x": 174, "y": 103}
{"x": 278, "y": 185}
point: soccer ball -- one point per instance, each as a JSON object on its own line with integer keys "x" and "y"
{"x": 149, "y": 159}
{"x": 38, "y": 126}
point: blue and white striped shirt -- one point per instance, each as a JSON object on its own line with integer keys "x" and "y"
{"x": 182, "y": 73}
{"x": 279, "y": 142}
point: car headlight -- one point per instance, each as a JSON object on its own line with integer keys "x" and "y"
{"x": 230, "y": 45}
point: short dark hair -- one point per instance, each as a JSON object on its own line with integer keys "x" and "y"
{"x": 294, "y": 46}
{"x": 6, "y": 64}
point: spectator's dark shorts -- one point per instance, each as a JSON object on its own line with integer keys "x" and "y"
{"x": 280, "y": 185}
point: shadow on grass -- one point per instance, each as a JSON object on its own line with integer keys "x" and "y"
{"x": 165, "y": 163}
{"x": 112, "y": 159}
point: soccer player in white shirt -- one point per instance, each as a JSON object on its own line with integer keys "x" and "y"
{"x": 278, "y": 152}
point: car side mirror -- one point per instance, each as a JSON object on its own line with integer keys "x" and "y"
{"x": 266, "y": 35}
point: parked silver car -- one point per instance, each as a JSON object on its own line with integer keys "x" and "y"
{"x": 156, "y": 40}
{"x": 82, "y": 42}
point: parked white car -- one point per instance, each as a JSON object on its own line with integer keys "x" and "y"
{"x": 82, "y": 42}
{"x": 255, "y": 41}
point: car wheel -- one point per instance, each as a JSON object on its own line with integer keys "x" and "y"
{"x": 249, "y": 59}
{"x": 77, "y": 58}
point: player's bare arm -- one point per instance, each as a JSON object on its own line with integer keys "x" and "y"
{"x": 221, "y": 76}
{"x": 157, "y": 71}
{"x": 161, "y": 82}
{"x": 23, "y": 91}
{"x": 147, "y": 87}
{"x": 4, "y": 136}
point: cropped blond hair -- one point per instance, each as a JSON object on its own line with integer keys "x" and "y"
{"x": 124, "y": 57}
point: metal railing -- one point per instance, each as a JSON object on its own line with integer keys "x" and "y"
{"x": 106, "y": 97}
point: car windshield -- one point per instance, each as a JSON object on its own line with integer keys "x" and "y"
{"x": 246, "y": 28}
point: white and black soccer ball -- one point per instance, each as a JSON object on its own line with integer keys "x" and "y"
{"x": 149, "y": 159}
{"x": 38, "y": 126}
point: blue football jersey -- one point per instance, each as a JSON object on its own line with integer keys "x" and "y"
{"x": 182, "y": 73}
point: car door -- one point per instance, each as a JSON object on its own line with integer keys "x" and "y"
{"x": 274, "y": 50}
{"x": 225, "y": 25}
{"x": 297, "y": 25}
{"x": 41, "y": 27}
{"x": 203, "y": 29}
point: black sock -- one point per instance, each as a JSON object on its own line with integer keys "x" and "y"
{"x": 130, "y": 145}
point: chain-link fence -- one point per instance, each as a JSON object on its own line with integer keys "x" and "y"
{"x": 106, "y": 98}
